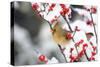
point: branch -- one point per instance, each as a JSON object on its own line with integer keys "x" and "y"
{"x": 94, "y": 27}
{"x": 68, "y": 23}
{"x": 62, "y": 52}
{"x": 86, "y": 56}
{"x": 71, "y": 31}
{"x": 73, "y": 35}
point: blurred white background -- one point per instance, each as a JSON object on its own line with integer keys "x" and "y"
{"x": 5, "y": 31}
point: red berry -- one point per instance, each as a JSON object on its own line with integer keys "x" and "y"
{"x": 72, "y": 58}
{"x": 69, "y": 36}
{"x": 91, "y": 43}
{"x": 42, "y": 58}
{"x": 93, "y": 10}
{"x": 81, "y": 41}
{"x": 62, "y": 5}
{"x": 62, "y": 13}
{"x": 81, "y": 53}
{"x": 89, "y": 22}
{"x": 84, "y": 46}
{"x": 93, "y": 53}
{"x": 35, "y": 6}
{"x": 64, "y": 10}
{"x": 91, "y": 58}
{"x": 51, "y": 7}
{"x": 94, "y": 48}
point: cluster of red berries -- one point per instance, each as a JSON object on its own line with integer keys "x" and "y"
{"x": 80, "y": 42}
{"x": 51, "y": 7}
{"x": 94, "y": 48}
{"x": 92, "y": 56}
{"x": 80, "y": 54}
{"x": 65, "y": 10}
{"x": 84, "y": 46}
{"x": 72, "y": 58}
{"x": 92, "y": 9}
{"x": 93, "y": 52}
{"x": 35, "y": 6}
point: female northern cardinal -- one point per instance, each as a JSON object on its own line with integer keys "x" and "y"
{"x": 61, "y": 36}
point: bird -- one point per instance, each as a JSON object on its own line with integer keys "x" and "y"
{"x": 75, "y": 15}
{"x": 61, "y": 36}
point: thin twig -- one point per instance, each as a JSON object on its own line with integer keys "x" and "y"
{"x": 86, "y": 56}
{"x": 68, "y": 23}
{"x": 94, "y": 27}
{"x": 48, "y": 12}
{"x": 74, "y": 33}
{"x": 62, "y": 52}
{"x": 44, "y": 5}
